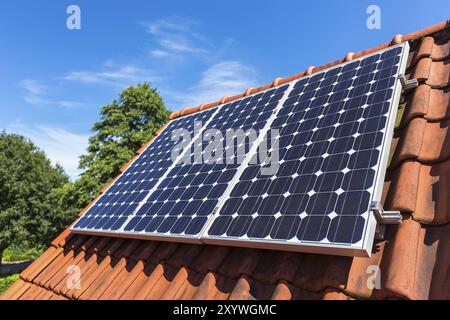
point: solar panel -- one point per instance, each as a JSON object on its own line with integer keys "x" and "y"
{"x": 184, "y": 200}
{"x": 333, "y": 129}
{"x": 123, "y": 197}
{"x": 330, "y": 134}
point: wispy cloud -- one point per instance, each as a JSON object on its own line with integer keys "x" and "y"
{"x": 179, "y": 46}
{"x": 174, "y": 23}
{"x": 61, "y": 146}
{"x": 38, "y": 94}
{"x": 119, "y": 76}
{"x": 69, "y": 104}
{"x": 159, "y": 53}
{"x": 221, "y": 79}
{"x": 33, "y": 87}
{"x": 34, "y": 91}
{"x": 176, "y": 37}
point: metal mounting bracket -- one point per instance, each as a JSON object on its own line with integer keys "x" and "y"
{"x": 408, "y": 84}
{"x": 385, "y": 217}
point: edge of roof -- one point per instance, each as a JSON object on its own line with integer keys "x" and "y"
{"x": 397, "y": 39}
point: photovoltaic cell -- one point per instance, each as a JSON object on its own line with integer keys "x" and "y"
{"x": 183, "y": 202}
{"x": 122, "y": 198}
{"x": 331, "y": 130}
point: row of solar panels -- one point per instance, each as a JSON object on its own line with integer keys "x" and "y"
{"x": 325, "y": 136}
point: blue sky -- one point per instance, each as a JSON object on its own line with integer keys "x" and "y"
{"x": 54, "y": 80}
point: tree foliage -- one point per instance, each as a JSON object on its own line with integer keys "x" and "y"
{"x": 125, "y": 125}
{"x": 30, "y": 211}
{"x": 37, "y": 201}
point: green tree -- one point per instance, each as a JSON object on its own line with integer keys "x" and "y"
{"x": 125, "y": 125}
{"x": 29, "y": 188}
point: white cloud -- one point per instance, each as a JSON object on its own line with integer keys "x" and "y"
{"x": 176, "y": 37}
{"x": 176, "y": 40}
{"x": 70, "y": 104}
{"x": 37, "y": 94}
{"x": 34, "y": 92}
{"x": 159, "y": 53}
{"x": 121, "y": 76}
{"x": 61, "y": 146}
{"x": 174, "y": 23}
{"x": 221, "y": 79}
{"x": 33, "y": 86}
{"x": 182, "y": 46}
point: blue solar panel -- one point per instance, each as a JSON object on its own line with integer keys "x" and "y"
{"x": 331, "y": 133}
{"x": 123, "y": 197}
{"x": 184, "y": 200}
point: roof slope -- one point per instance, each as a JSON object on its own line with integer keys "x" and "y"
{"x": 414, "y": 260}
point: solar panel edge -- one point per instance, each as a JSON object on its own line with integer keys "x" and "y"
{"x": 313, "y": 247}
{"x": 365, "y": 244}
{"x": 391, "y": 124}
{"x": 369, "y": 234}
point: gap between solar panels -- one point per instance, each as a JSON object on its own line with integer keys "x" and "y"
{"x": 329, "y": 134}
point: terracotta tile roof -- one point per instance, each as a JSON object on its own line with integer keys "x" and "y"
{"x": 414, "y": 259}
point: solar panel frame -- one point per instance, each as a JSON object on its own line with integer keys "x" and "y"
{"x": 203, "y": 237}
{"x": 365, "y": 247}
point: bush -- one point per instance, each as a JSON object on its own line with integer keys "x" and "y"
{"x": 6, "y": 282}
{"x": 30, "y": 211}
{"x": 13, "y": 254}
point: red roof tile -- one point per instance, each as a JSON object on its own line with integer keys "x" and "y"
{"x": 414, "y": 260}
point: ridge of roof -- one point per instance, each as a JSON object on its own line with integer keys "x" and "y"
{"x": 396, "y": 39}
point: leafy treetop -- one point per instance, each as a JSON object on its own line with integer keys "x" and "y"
{"x": 125, "y": 125}
{"x": 30, "y": 212}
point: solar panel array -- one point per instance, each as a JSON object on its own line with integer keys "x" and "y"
{"x": 330, "y": 131}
